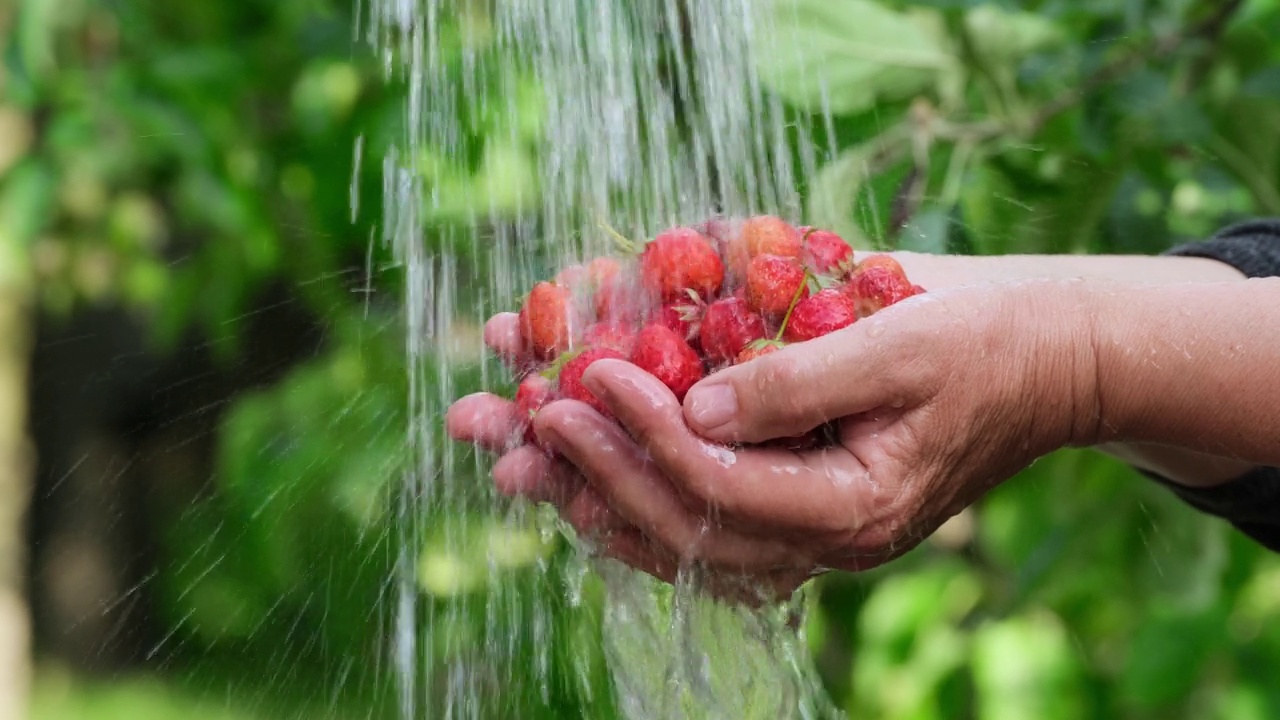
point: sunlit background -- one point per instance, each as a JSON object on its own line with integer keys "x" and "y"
{"x": 205, "y": 339}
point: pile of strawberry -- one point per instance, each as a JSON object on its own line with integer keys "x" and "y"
{"x": 694, "y": 300}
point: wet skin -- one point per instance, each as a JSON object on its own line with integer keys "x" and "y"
{"x": 937, "y": 399}
{"x": 668, "y": 485}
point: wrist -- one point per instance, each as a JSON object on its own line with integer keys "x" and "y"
{"x": 1057, "y": 319}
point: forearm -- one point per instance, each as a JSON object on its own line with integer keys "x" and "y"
{"x": 1193, "y": 366}
{"x": 1180, "y": 465}
{"x": 938, "y": 271}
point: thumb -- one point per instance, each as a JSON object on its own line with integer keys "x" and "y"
{"x": 802, "y": 386}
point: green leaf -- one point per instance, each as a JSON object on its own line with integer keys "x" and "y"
{"x": 846, "y": 55}
{"x": 927, "y": 232}
{"x": 1026, "y": 667}
{"x": 833, "y": 196}
{"x": 1002, "y": 36}
{"x": 1168, "y": 655}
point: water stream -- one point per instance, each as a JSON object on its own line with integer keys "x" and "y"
{"x": 648, "y": 114}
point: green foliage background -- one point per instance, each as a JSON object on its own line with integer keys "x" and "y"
{"x": 177, "y": 158}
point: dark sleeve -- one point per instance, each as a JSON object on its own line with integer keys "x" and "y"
{"x": 1250, "y": 503}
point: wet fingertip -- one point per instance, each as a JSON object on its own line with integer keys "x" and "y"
{"x": 601, "y": 375}
{"x": 587, "y": 512}
{"x": 460, "y": 418}
{"x": 513, "y": 474}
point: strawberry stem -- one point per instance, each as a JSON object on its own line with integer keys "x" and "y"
{"x": 552, "y": 372}
{"x": 626, "y": 246}
{"x": 795, "y": 300}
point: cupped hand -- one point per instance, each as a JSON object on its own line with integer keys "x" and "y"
{"x": 936, "y": 399}
{"x": 618, "y": 519}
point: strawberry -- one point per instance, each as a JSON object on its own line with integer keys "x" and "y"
{"x": 770, "y": 235}
{"x": 827, "y": 252}
{"x": 571, "y": 376}
{"x": 882, "y": 261}
{"x": 761, "y": 235}
{"x": 772, "y": 283}
{"x": 727, "y": 327}
{"x": 572, "y": 277}
{"x": 820, "y": 314}
{"x": 917, "y": 290}
{"x": 681, "y": 259}
{"x": 549, "y": 320}
{"x": 613, "y": 290}
{"x": 719, "y": 229}
{"x": 663, "y": 353}
{"x": 534, "y": 392}
{"x": 756, "y": 349}
{"x": 683, "y": 317}
{"x": 610, "y": 334}
{"x": 876, "y": 288}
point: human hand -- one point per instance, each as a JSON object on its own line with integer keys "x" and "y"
{"x": 937, "y": 399}
{"x": 622, "y": 526}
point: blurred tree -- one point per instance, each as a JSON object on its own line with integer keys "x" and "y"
{"x": 21, "y": 187}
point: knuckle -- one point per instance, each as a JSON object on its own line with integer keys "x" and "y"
{"x": 703, "y": 488}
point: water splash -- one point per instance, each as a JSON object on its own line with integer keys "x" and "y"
{"x": 648, "y": 114}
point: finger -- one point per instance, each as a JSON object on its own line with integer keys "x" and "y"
{"x": 633, "y": 549}
{"x": 502, "y": 336}
{"x": 824, "y": 490}
{"x": 529, "y": 472}
{"x": 802, "y": 386}
{"x": 590, "y": 515}
{"x": 635, "y": 488}
{"x": 484, "y": 419}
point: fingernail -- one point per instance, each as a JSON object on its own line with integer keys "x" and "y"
{"x": 547, "y": 437}
{"x": 712, "y": 406}
{"x": 592, "y": 382}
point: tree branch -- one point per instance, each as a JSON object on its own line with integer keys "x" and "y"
{"x": 1154, "y": 49}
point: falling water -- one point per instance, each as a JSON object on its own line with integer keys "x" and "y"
{"x": 644, "y": 115}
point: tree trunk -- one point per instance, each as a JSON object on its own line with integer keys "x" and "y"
{"x": 15, "y": 482}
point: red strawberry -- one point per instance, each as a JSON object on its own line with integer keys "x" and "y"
{"x": 610, "y": 334}
{"x": 756, "y": 349}
{"x": 718, "y": 229}
{"x": 761, "y": 235}
{"x": 769, "y": 235}
{"x": 573, "y": 277}
{"x": 534, "y": 392}
{"x": 682, "y": 317}
{"x": 881, "y": 261}
{"x": 549, "y": 320}
{"x": 727, "y": 327}
{"x": 917, "y": 290}
{"x": 681, "y": 259}
{"x": 571, "y": 376}
{"x": 613, "y": 288}
{"x": 876, "y": 288}
{"x": 820, "y": 314}
{"x": 827, "y": 252}
{"x": 772, "y": 283}
{"x": 664, "y": 354}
